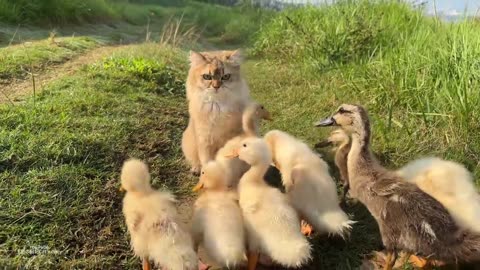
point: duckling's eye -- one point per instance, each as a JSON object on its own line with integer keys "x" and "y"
{"x": 207, "y": 77}
{"x": 342, "y": 110}
{"x": 226, "y": 77}
{"x": 203, "y": 172}
{"x": 244, "y": 145}
{"x": 263, "y": 108}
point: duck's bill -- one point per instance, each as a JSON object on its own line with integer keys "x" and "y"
{"x": 198, "y": 187}
{"x": 234, "y": 154}
{"x": 269, "y": 117}
{"x": 121, "y": 189}
{"x": 323, "y": 144}
{"x": 326, "y": 122}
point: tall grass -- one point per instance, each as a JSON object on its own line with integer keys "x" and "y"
{"x": 419, "y": 75}
{"x": 55, "y": 11}
{"x": 80, "y": 11}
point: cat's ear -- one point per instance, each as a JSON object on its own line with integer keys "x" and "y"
{"x": 196, "y": 59}
{"x": 235, "y": 58}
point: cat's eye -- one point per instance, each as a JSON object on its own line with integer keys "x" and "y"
{"x": 226, "y": 77}
{"x": 244, "y": 145}
{"x": 207, "y": 77}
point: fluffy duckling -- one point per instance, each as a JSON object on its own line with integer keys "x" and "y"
{"x": 451, "y": 184}
{"x": 308, "y": 184}
{"x": 272, "y": 225}
{"x": 341, "y": 142}
{"x": 251, "y": 118}
{"x": 408, "y": 218}
{"x": 217, "y": 218}
{"x": 151, "y": 218}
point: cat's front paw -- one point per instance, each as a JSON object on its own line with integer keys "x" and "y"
{"x": 195, "y": 171}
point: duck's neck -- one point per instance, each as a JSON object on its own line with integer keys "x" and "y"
{"x": 360, "y": 157}
{"x": 256, "y": 173}
{"x": 249, "y": 124}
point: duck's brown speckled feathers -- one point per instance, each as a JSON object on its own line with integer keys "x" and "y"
{"x": 412, "y": 221}
{"x": 409, "y": 219}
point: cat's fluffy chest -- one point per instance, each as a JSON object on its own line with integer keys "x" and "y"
{"x": 217, "y": 106}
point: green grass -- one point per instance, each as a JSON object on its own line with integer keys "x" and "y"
{"x": 17, "y": 61}
{"x": 224, "y": 24}
{"x": 58, "y": 12}
{"x": 60, "y": 159}
{"x": 418, "y": 77}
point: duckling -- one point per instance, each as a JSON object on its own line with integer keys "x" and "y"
{"x": 449, "y": 183}
{"x": 272, "y": 225}
{"x": 308, "y": 184}
{"x": 251, "y": 117}
{"x": 152, "y": 221}
{"x": 341, "y": 141}
{"x": 409, "y": 219}
{"x": 217, "y": 218}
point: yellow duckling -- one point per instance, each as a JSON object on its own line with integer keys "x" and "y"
{"x": 308, "y": 184}
{"x": 251, "y": 118}
{"x": 217, "y": 218}
{"x": 151, "y": 218}
{"x": 272, "y": 225}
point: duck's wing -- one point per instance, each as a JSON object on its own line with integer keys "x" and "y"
{"x": 415, "y": 216}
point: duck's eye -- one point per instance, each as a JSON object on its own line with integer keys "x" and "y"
{"x": 225, "y": 77}
{"x": 207, "y": 77}
{"x": 263, "y": 108}
{"x": 342, "y": 110}
{"x": 244, "y": 145}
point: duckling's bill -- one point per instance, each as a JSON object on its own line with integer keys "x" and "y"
{"x": 234, "y": 154}
{"x": 330, "y": 121}
{"x": 198, "y": 187}
{"x": 121, "y": 189}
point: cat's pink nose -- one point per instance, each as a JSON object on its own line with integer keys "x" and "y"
{"x": 216, "y": 84}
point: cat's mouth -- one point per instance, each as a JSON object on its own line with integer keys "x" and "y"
{"x": 214, "y": 90}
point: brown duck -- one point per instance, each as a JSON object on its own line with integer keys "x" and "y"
{"x": 409, "y": 219}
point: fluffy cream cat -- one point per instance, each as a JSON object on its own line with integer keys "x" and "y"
{"x": 217, "y": 95}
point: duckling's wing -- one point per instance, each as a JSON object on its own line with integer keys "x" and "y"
{"x": 165, "y": 225}
{"x": 415, "y": 220}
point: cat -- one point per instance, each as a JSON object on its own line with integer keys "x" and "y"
{"x": 217, "y": 94}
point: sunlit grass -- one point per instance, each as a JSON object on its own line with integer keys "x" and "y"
{"x": 60, "y": 158}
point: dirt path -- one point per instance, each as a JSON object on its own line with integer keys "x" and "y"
{"x": 17, "y": 90}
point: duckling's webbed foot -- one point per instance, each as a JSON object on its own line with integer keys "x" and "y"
{"x": 306, "y": 228}
{"x": 423, "y": 263}
{"x": 202, "y": 265}
{"x": 145, "y": 264}
{"x": 390, "y": 260}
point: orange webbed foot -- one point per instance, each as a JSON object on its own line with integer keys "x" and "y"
{"x": 306, "y": 228}
{"x": 202, "y": 265}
